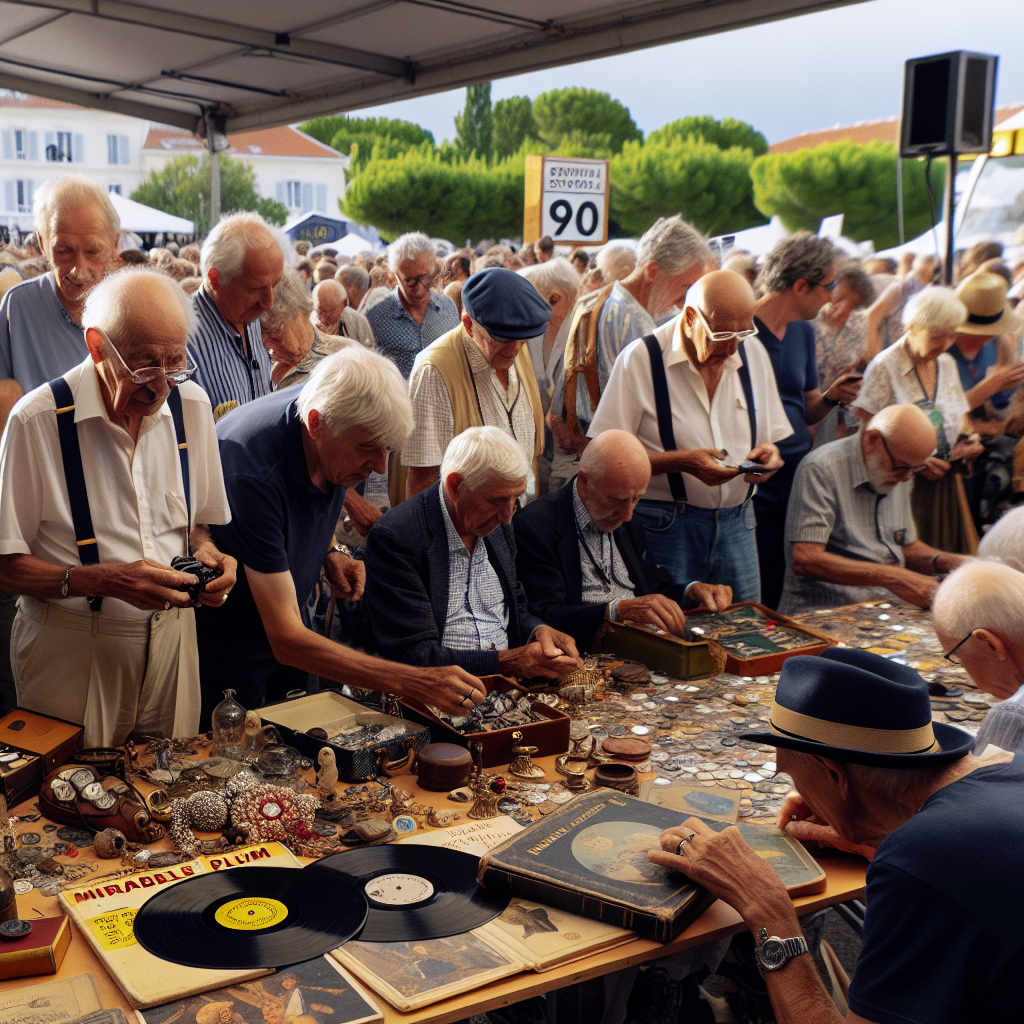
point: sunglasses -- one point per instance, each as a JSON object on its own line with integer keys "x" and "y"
{"x": 148, "y": 374}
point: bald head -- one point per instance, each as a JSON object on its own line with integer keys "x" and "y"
{"x": 895, "y": 441}
{"x": 613, "y": 475}
{"x": 721, "y": 301}
{"x": 329, "y": 300}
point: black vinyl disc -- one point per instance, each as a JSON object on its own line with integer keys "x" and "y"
{"x": 414, "y": 892}
{"x": 249, "y": 918}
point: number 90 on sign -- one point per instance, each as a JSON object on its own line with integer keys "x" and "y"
{"x": 569, "y": 218}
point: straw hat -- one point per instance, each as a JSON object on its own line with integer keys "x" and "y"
{"x": 984, "y": 295}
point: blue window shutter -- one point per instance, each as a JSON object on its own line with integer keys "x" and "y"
{"x": 321, "y": 199}
{"x": 8, "y": 137}
{"x": 9, "y": 196}
{"x": 49, "y": 139}
{"x": 30, "y": 193}
{"x": 307, "y": 197}
{"x": 280, "y": 194}
{"x": 111, "y": 149}
{"x": 122, "y": 149}
{"x": 33, "y": 145}
{"x": 79, "y": 148}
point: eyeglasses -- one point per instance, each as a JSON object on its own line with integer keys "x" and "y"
{"x": 828, "y": 287}
{"x": 952, "y": 657}
{"x": 148, "y": 374}
{"x": 722, "y": 337}
{"x": 899, "y": 467}
{"x": 423, "y": 281}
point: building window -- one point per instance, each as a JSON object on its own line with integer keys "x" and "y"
{"x": 294, "y": 192}
{"x": 116, "y": 189}
{"x": 117, "y": 149}
{"x": 23, "y": 195}
{"x": 20, "y": 144}
{"x": 58, "y": 147}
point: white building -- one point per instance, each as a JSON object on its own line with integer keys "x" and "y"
{"x": 42, "y": 139}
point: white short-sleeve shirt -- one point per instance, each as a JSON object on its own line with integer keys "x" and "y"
{"x": 628, "y": 404}
{"x": 136, "y": 495}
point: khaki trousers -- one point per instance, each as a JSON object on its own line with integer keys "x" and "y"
{"x": 112, "y": 676}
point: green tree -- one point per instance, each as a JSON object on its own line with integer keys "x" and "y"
{"x": 562, "y": 112}
{"x": 513, "y": 125}
{"x": 709, "y": 186}
{"x": 725, "y": 134}
{"x": 182, "y": 187}
{"x": 856, "y": 180}
{"x": 474, "y": 127}
{"x": 340, "y": 132}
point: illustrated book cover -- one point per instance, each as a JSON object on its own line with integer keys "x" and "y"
{"x": 104, "y": 912}
{"x": 714, "y": 802}
{"x": 316, "y": 991}
{"x": 474, "y": 836}
{"x": 52, "y": 1002}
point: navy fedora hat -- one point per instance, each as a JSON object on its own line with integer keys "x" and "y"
{"x": 505, "y": 304}
{"x": 852, "y": 705}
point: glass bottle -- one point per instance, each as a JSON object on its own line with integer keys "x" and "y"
{"x": 228, "y": 721}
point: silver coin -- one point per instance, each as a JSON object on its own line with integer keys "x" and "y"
{"x": 22, "y": 886}
{"x": 82, "y": 777}
{"x": 62, "y": 790}
{"x": 659, "y": 757}
{"x": 7, "y": 758}
{"x": 92, "y": 791}
{"x": 560, "y": 796}
{"x": 639, "y": 730}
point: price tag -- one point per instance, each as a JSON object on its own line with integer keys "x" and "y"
{"x": 566, "y": 198}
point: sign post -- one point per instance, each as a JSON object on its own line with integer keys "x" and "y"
{"x": 566, "y": 198}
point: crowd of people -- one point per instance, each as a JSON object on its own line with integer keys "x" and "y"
{"x": 403, "y": 473}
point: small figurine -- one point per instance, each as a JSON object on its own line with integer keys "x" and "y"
{"x": 487, "y": 790}
{"x": 522, "y": 766}
{"x": 254, "y": 740}
{"x": 441, "y": 819}
{"x": 327, "y": 776}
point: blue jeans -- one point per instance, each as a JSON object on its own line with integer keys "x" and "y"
{"x": 711, "y": 545}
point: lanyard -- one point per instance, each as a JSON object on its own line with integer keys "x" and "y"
{"x": 509, "y": 413}
{"x": 605, "y": 579}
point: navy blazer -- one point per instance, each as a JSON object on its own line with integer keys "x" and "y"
{"x": 548, "y": 564}
{"x": 406, "y": 596}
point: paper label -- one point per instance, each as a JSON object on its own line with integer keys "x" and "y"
{"x": 398, "y": 890}
{"x": 251, "y": 913}
{"x": 114, "y": 929}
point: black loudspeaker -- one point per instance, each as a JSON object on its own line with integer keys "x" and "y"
{"x": 947, "y": 104}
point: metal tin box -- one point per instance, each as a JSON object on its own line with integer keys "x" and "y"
{"x": 659, "y": 651}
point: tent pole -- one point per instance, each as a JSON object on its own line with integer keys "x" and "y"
{"x": 211, "y": 145}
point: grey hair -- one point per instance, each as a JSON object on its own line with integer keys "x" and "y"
{"x": 409, "y": 247}
{"x": 291, "y": 300}
{"x": 616, "y": 262}
{"x": 903, "y": 788}
{"x": 55, "y": 196}
{"x": 558, "y": 274}
{"x": 674, "y": 245}
{"x": 1004, "y": 542}
{"x": 801, "y": 257}
{"x": 859, "y": 280}
{"x": 233, "y": 236}
{"x": 107, "y": 305}
{"x": 353, "y": 277}
{"x": 934, "y": 309}
{"x": 357, "y": 388}
{"x": 982, "y": 594}
{"x": 479, "y": 452}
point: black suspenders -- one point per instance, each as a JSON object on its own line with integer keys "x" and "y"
{"x": 663, "y": 408}
{"x": 74, "y": 475}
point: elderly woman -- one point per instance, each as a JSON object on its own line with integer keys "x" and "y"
{"x": 918, "y": 370}
{"x": 294, "y": 344}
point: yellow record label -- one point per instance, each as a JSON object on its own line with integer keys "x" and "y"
{"x": 251, "y": 913}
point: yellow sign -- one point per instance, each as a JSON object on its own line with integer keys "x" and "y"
{"x": 114, "y": 929}
{"x": 251, "y": 913}
{"x": 566, "y": 198}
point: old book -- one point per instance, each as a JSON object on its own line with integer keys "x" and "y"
{"x": 543, "y": 938}
{"x": 55, "y": 1002}
{"x": 40, "y": 952}
{"x": 102, "y": 1017}
{"x": 104, "y": 912}
{"x": 475, "y": 837}
{"x": 414, "y": 974}
{"x": 313, "y": 992}
{"x": 714, "y": 802}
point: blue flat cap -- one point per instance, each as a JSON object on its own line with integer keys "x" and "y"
{"x": 505, "y": 303}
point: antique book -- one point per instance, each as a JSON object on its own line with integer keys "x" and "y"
{"x": 475, "y": 837}
{"x": 40, "y": 952}
{"x": 102, "y": 1017}
{"x": 53, "y": 1002}
{"x": 414, "y": 974}
{"x": 714, "y": 802}
{"x": 104, "y": 912}
{"x": 313, "y": 992}
{"x": 542, "y": 938}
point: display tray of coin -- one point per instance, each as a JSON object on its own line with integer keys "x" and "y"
{"x": 679, "y": 657}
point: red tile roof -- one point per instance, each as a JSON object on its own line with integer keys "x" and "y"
{"x": 10, "y": 98}
{"x": 284, "y": 141}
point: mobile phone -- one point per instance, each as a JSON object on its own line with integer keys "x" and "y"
{"x": 852, "y": 378}
{"x": 753, "y": 468}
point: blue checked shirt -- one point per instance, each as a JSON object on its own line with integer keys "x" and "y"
{"x": 1003, "y": 726}
{"x": 477, "y": 617}
{"x": 605, "y": 577}
{"x": 399, "y": 337}
{"x": 226, "y": 374}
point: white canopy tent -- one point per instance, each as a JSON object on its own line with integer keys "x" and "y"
{"x": 144, "y": 220}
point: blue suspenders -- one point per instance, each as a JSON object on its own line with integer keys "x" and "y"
{"x": 74, "y": 475}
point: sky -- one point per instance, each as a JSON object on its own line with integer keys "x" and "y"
{"x": 815, "y": 71}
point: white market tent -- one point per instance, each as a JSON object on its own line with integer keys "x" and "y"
{"x": 145, "y": 220}
{"x": 260, "y": 64}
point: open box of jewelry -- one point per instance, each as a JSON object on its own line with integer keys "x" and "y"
{"x": 366, "y": 742}
{"x": 506, "y": 710}
{"x": 678, "y": 657}
{"x": 31, "y": 746}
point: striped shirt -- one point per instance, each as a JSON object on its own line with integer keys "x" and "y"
{"x": 605, "y": 576}
{"x": 399, "y": 337}
{"x": 1003, "y": 726}
{"x": 226, "y": 374}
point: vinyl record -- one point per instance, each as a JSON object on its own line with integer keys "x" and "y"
{"x": 414, "y": 892}
{"x": 250, "y": 917}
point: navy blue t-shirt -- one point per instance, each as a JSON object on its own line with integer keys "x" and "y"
{"x": 280, "y": 520}
{"x": 943, "y": 940}
{"x": 795, "y": 363}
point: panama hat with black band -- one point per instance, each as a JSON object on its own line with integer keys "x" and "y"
{"x": 988, "y": 312}
{"x": 853, "y": 706}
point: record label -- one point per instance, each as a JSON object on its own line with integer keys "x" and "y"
{"x": 251, "y": 913}
{"x": 397, "y": 890}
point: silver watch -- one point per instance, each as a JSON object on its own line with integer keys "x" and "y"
{"x": 773, "y": 953}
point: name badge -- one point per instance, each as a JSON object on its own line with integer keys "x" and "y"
{"x": 900, "y": 536}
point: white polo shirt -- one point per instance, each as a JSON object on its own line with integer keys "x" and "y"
{"x": 136, "y": 495}
{"x": 628, "y": 404}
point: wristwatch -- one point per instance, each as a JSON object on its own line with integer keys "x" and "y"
{"x": 773, "y": 953}
{"x": 65, "y": 587}
{"x": 342, "y": 549}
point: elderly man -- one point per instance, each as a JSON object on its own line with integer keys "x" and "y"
{"x": 242, "y": 262}
{"x": 480, "y": 374}
{"x": 700, "y": 396}
{"x": 104, "y": 634}
{"x": 581, "y": 557}
{"x": 797, "y": 278}
{"x": 670, "y": 257}
{"x": 413, "y": 315}
{"x": 978, "y": 615}
{"x": 441, "y": 567}
{"x": 356, "y": 282}
{"x": 333, "y": 315}
{"x": 850, "y": 533}
{"x": 288, "y": 459}
{"x": 943, "y": 829}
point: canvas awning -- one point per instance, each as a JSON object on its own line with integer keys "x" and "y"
{"x": 144, "y": 220}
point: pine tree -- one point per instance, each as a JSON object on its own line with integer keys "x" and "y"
{"x": 474, "y": 127}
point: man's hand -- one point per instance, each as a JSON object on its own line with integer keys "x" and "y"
{"x": 704, "y": 465}
{"x": 556, "y": 644}
{"x": 937, "y": 468}
{"x": 360, "y": 511}
{"x": 914, "y": 588}
{"x": 560, "y": 432}
{"x": 655, "y": 610}
{"x": 216, "y": 592}
{"x": 347, "y": 575}
{"x": 145, "y": 584}
{"x": 968, "y": 451}
{"x": 799, "y": 821}
{"x": 450, "y": 688}
{"x": 843, "y": 390}
{"x": 540, "y": 659}
{"x": 714, "y": 596}
{"x": 769, "y": 457}
{"x": 1009, "y": 376}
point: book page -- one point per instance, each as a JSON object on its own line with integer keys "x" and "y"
{"x": 52, "y": 1002}
{"x": 475, "y": 837}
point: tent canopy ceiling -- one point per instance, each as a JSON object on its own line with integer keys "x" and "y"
{"x": 261, "y": 64}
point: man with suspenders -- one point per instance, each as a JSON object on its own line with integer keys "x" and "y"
{"x": 700, "y": 396}
{"x": 106, "y": 474}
